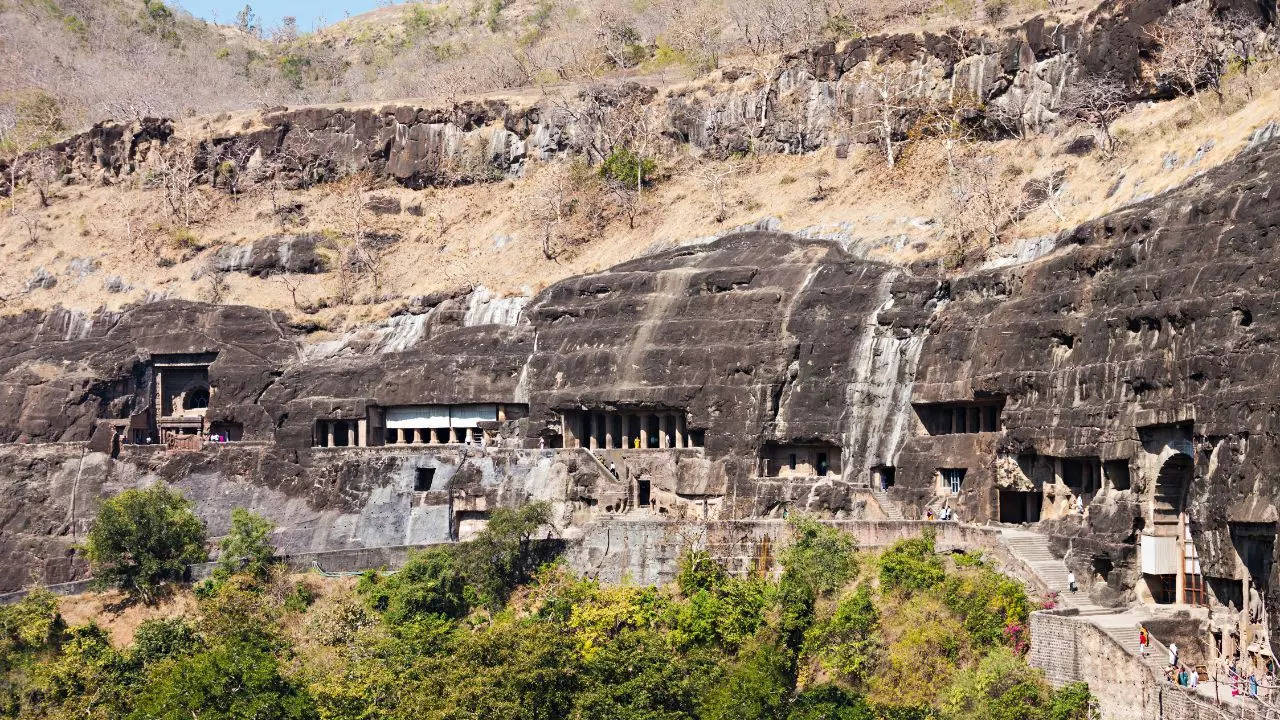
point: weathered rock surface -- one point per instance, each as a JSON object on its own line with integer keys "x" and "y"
{"x": 288, "y": 253}
{"x": 824, "y": 95}
{"x": 1146, "y": 338}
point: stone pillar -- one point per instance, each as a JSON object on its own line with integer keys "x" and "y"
{"x": 679, "y": 423}
{"x": 328, "y": 424}
{"x": 362, "y": 432}
{"x": 159, "y": 394}
{"x": 664, "y": 420}
{"x": 608, "y": 431}
{"x": 566, "y": 431}
{"x": 352, "y": 440}
{"x": 644, "y": 430}
{"x": 591, "y": 432}
{"x": 626, "y": 431}
{"x": 502, "y": 413}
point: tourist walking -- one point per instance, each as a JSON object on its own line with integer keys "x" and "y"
{"x": 1071, "y": 581}
{"x": 1143, "y": 640}
{"x": 1173, "y": 654}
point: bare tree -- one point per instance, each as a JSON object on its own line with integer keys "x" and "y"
{"x": 889, "y": 105}
{"x": 567, "y": 205}
{"x": 978, "y": 205}
{"x": 219, "y": 288}
{"x": 360, "y": 252}
{"x": 715, "y": 180}
{"x": 175, "y": 173}
{"x": 292, "y": 283}
{"x": 1187, "y": 55}
{"x": 551, "y": 207}
{"x": 43, "y": 168}
{"x": 1097, "y": 100}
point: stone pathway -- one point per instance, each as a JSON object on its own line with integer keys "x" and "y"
{"x": 1121, "y": 625}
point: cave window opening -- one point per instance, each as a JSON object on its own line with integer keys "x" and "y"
{"x": 1018, "y": 507}
{"x": 791, "y": 461}
{"x": 1117, "y": 474}
{"x": 196, "y": 399}
{"x": 422, "y": 478}
{"x": 1102, "y": 567}
{"x": 823, "y": 465}
{"x": 967, "y": 417}
{"x": 952, "y": 478}
{"x": 1254, "y": 544}
{"x": 1163, "y": 588}
{"x": 643, "y": 493}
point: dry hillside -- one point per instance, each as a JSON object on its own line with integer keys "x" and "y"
{"x": 955, "y": 198}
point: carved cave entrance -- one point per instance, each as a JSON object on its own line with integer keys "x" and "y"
{"x": 1170, "y": 562}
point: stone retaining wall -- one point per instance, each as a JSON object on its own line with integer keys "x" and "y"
{"x": 647, "y": 550}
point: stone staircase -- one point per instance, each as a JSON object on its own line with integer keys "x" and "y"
{"x": 1033, "y": 550}
{"x": 889, "y": 507}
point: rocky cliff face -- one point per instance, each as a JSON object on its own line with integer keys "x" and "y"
{"x": 1147, "y": 333}
{"x": 1011, "y": 78}
{"x": 1130, "y": 369}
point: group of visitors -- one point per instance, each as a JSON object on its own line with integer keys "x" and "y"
{"x": 1183, "y": 676}
{"x": 946, "y": 513}
{"x": 1250, "y": 685}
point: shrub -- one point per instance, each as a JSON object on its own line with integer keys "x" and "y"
{"x": 911, "y": 564}
{"x": 848, "y": 643}
{"x": 988, "y": 603}
{"x": 228, "y": 680}
{"x": 247, "y": 547}
{"x": 1073, "y": 702}
{"x": 181, "y": 238}
{"x": 143, "y": 539}
{"x": 756, "y": 684}
{"x": 629, "y": 168}
{"x": 821, "y": 556}
{"x": 1001, "y": 687}
{"x": 637, "y": 677}
{"x": 30, "y": 624}
{"x": 698, "y": 571}
{"x": 158, "y": 639}
{"x": 830, "y": 702}
{"x": 430, "y": 583}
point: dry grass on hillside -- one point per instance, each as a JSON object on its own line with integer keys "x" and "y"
{"x": 121, "y": 619}
{"x": 492, "y": 234}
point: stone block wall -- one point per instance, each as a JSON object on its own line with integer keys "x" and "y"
{"x": 647, "y": 550}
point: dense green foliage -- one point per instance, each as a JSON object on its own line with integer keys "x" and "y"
{"x": 143, "y": 539}
{"x": 629, "y": 168}
{"x": 479, "y": 631}
{"x": 247, "y": 547}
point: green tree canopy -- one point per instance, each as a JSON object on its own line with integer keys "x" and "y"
{"x": 143, "y": 539}
{"x": 247, "y": 547}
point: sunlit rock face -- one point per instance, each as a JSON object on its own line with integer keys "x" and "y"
{"x": 1128, "y": 361}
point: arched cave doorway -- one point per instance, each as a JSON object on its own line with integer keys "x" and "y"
{"x": 1172, "y": 534}
{"x": 1169, "y": 508}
